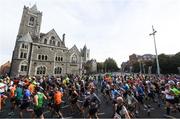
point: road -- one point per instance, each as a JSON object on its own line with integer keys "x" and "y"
{"x": 105, "y": 111}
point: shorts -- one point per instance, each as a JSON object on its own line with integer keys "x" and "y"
{"x": 38, "y": 111}
{"x": 74, "y": 101}
{"x": 140, "y": 99}
{"x": 172, "y": 101}
{"x": 86, "y": 104}
{"x": 24, "y": 105}
{"x": 92, "y": 111}
{"x": 57, "y": 107}
{"x": 151, "y": 95}
{"x": 17, "y": 102}
{"x": 176, "y": 99}
{"x": 13, "y": 100}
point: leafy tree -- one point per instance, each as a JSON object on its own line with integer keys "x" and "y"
{"x": 110, "y": 65}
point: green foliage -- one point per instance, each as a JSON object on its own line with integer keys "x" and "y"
{"x": 168, "y": 64}
{"x": 109, "y": 65}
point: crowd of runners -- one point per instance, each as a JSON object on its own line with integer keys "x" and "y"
{"x": 126, "y": 93}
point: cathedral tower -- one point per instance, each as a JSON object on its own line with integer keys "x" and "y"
{"x": 30, "y": 22}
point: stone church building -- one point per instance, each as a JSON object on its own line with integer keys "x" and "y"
{"x": 37, "y": 53}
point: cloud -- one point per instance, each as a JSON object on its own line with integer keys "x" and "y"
{"x": 110, "y": 28}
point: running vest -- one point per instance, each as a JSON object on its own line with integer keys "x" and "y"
{"x": 57, "y": 97}
{"x": 40, "y": 100}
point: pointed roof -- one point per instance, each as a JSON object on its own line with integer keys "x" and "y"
{"x": 85, "y": 47}
{"x": 26, "y": 38}
{"x": 34, "y": 7}
{"x": 74, "y": 48}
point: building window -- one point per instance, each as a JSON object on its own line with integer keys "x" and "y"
{"x": 31, "y": 21}
{"x": 52, "y": 37}
{"x": 23, "y": 55}
{"x": 45, "y": 41}
{"x": 23, "y": 67}
{"x": 45, "y": 57}
{"x": 41, "y": 70}
{"x": 50, "y": 42}
{"x": 58, "y": 44}
{"x": 58, "y": 58}
{"x": 24, "y": 46}
{"x": 57, "y": 70}
{"x": 54, "y": 42}
{"x": 42, "y": 57}
{"x": 74, "y": 59}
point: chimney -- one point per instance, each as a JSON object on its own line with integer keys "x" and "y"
{"x": 63, "y": 38}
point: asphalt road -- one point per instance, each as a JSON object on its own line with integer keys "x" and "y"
{"x": 104, "y": 112}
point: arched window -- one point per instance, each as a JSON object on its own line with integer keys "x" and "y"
{"x": 42, "y": 57}
{"x": 39, "y": 57}
{"x": 23, "y": 66}
{"x": 74, "y": 59}
{"x": 58, "y": 58}
{"x": 57, "y": 70}
{"x": 46, "y": 57}
{"x": 45, "y": 41}
{"x": 50, "y": 42}
{"x": 54, "y": 42}
{"x": 52, "y": 37}
{"x": 58, "y": 44}
{"x": 31, "y": 21}
{"x": 22, "y": 45}
{"x": 61, "y": 58}
{"x": 41, "y": 70}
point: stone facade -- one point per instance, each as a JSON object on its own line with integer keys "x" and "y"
{"x": 40, "y": 54}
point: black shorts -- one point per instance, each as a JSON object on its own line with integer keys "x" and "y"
{"x": 24, "y": 105}
{"x": 57, "y": 107}
{"x": 92, "y": 111}
{"x": 17, "y": 102}
{"x": 140, "y": 99}
{"x": 13, "y": 100}
{"x": 38, "y": 111}
{"x": 176, "y": 99}
{"x": 107, "y": 92}
{"x": 86, "y": 104}
{"x": 73, "y": 101}
{"x": 172, "y": 101}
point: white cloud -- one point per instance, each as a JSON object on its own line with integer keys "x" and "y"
{"x": 110, "y": 28}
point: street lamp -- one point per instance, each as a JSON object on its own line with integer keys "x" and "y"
{"x": 157, "y": 61}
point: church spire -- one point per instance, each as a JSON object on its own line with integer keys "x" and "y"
{"x": 34, "y": 7}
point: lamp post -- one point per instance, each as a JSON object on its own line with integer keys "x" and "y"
{"x": 157, "y": 61}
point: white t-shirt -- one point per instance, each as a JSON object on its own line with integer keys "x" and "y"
{"x": 2, "y": 87}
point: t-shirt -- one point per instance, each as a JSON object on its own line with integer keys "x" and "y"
{"x": 12, "y": 91}
{"x": 19, "y": 93}
{"x": 58, "y": 97}
{"x": 2, "y": 87}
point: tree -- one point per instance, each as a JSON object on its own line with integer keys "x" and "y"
{"x": 110, "y": 65}
{"x": 100, "y": 67}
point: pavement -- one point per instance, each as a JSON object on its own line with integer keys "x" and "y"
{"x": 104, "y": 112}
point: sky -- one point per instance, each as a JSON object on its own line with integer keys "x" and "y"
{"x": 109, "y": 28}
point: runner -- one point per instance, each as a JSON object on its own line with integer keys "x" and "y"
{"x": 38, "y": 103}
{"x": 120, "y": 109}
{"x": 57, "y": 102}
{"x": 26, "y": 102}
{"x": 2, "y": 94}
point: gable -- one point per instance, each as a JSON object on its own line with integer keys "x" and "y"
{"x": 26, "y": 38}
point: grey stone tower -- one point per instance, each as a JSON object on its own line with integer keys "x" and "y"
{"x": 30, "y": 22}
{"x": 85, "y": 53}
{"x": 29, "y": 31}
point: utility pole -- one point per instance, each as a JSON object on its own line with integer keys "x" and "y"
{"x": 157, "y": 61}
